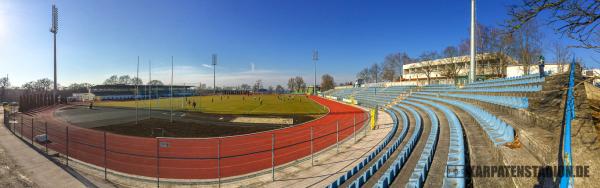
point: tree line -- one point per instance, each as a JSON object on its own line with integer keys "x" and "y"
{"x": 524, "y": 45}
{"x": 518, "y": 38}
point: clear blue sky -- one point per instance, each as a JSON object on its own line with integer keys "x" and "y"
{"x": 270, "y": 40}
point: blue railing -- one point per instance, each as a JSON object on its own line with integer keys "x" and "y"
{"x": 566, "y": 179}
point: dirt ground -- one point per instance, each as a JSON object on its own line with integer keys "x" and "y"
{"x": 10, "y": 174}
{"x": 186, "y": 124}
{"x": 158, "y": 127}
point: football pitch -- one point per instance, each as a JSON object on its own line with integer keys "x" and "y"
{"x": 230, "y": 104}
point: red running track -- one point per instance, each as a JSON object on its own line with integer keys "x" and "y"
{"x": 199, "y": 158}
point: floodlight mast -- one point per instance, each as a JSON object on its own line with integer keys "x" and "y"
{"x": 214, "y": 64}
{"x": 315, "y": 59}
{"x": 472, "y": 70}
{"x": 54, "y": 30}
{"x": 137, "y": 91}
{"x": 171, "y": 100}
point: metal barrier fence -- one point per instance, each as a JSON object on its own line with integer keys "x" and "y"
{"x": 32, "y": 101}
{"x": 191, "y": 158}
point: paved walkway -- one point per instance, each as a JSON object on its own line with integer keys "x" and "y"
{"x": 37, "y": 168}
{"x": 328, "y": 165}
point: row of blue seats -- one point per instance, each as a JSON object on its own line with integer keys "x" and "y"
{"x": 390, "y": 174}
{"x": 506, "y": 79}
{"x": 512, "y": 102}
{"x": 456, "y": 151}
{"x": 497, "y": 130}
{"x": 510, "y": 89}
{"x": 368, "y": 159}
{"x": 534, "y": 80}
{"x": 367, "y": 174}
{"x": 419, "y": 174}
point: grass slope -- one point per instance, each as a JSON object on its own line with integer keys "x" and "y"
{"x": 230, "y": 104}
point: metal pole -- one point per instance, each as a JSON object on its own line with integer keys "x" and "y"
{"x": 21, "y": 122}
{"x": 473, "y": 61}
{"x": 354, "y": 127}
{"x": 55, "y": 81}
{"x": 171, "y": 100}
{"x": 219, "y": 161}
{"x": 149, "y": 89}
{"x": 315, "y": 59}
{"x": 273, "y": 156}
{"x": 47, "y": 137}
{"x": 214, "y": 63}
{"x": 312, "y": 153}
{"x": 67, "y": 143}
{"x": 364, "y": 121}
{"x": 32, "y": 126}
{"x": 137, "y": 92}
{"x": 105, "y": 163}
{"x": 157, "y": 162}
{"x": 337, "y": 135}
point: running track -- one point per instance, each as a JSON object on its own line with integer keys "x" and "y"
{"x": 197, "y": 158}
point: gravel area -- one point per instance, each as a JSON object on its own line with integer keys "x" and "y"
{"x": 11, "y": 175}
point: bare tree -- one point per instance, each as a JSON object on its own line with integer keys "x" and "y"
{"x": 327, "y": 82}
{"x": 28, "y": 87}
{"x": 300, "y": 85}
{"x": 500, "y": 47}
{"x": 527, "y": 44}
{"x": 562, "y": 55}
{"x": 404, "y": 60}
{"x": 82, "y": 87}
{"x": 245, "y": 87}
{"x": 577, "y": 19}
{"x": 155, "y": 83}
{"x": 292, "y": 84}
{"x": 464, "y": 47}
{"x": 125, "y": 80}
{"x": 427, "y": 66}
{"x": 258, "y": 85}
{"x": 136, "y": 80}
{"x": 4, "y": 83}
{"x": 279, "y": 89}
{"x": 112, "y": 80}
{"x": 374, "y": 72}
{"x": 451, "y": 69}
{"x": 391, "y": 63}
{"x": 364, "y": 75}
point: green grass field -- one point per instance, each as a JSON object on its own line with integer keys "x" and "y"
{"x": 230, "y": 104}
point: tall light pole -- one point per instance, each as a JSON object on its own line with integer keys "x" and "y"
{"x": 54, "y": 30}
{"x": 171, "y": 100}
{"x": 149, "y": 89}
{"x": 137, "y": 91}
{"x": 473, "y": 63}
{"x": 214, "y": 64}
{"x": 315, "y": 58}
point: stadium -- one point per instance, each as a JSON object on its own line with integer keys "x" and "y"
{"x": 476, "y": 116}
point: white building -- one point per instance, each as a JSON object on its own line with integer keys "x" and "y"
{"x": 488, "y": 66}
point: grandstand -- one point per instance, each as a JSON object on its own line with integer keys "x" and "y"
{"x": 428, "y": 109}
{"x": 128, "y": 92}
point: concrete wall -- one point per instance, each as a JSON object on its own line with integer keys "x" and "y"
{"x": 519, "y": 70}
